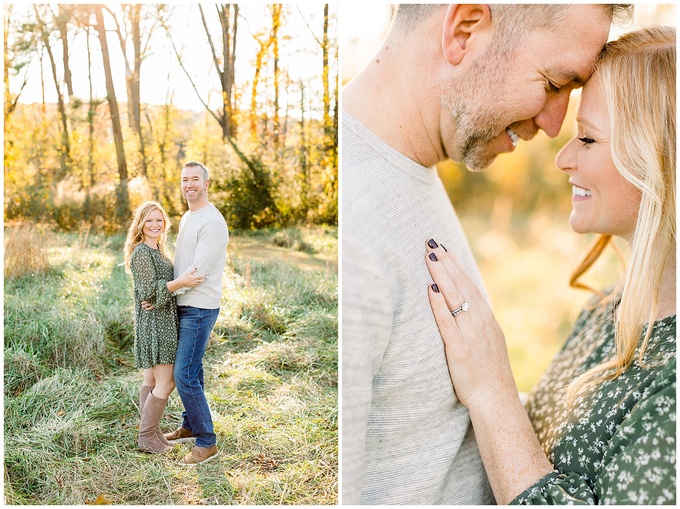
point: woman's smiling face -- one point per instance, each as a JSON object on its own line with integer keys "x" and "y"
{"x": 602, "y": 200}
{"x": 154, "y": 225}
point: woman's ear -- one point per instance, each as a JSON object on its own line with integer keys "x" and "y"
{"x": 464, "y": 24}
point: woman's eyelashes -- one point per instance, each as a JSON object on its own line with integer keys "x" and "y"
{"x": 586, "y": 140}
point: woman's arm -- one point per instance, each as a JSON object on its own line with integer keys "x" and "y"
{"x": 638, "y": 463}
{"x": 189, "y": 278}
{"x": 482, "y": 378}
{"x": 148, "y": 286}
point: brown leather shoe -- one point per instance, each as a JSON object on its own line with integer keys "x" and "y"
{"x": 179, "y": 436}
{"x": 199, "y": 455}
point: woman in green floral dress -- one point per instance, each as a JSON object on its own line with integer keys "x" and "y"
{"x": 156, "y": 330}
{"x": 600, "y": 426}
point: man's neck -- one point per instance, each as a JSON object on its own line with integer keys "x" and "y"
{"x": 195, "y": 207}
{"x": 400, "y": 108}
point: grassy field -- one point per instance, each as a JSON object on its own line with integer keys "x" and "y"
{"x": 71, "y": 389}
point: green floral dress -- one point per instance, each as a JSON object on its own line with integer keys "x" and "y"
{"x": 616, "y": 445}
{"x": 156, "y": 331}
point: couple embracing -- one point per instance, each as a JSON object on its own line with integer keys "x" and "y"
{"x": 430, "y": 409}
{"x": 176, "y": 308}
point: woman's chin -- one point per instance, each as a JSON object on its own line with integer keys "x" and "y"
{"x": 578, "y": 226}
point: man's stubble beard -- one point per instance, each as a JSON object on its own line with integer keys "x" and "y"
{"x": 474, "y": 105}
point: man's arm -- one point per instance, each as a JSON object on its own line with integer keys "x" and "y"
{"x": 212, "y": 242}
{"x": 366, "y": 328}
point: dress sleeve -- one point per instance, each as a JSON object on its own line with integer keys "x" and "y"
{"x": 638, "y": 466}
{"x": 366, "y": 324}
{"x": 149, "y": 286}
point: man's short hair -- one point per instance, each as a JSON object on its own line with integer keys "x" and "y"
{"x": 199, "y": 165}
{"x": 512, "y": 21}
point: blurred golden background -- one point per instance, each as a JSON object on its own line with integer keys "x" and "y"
{"x": 515, "y": 214}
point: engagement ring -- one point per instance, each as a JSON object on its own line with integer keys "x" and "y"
{"x": 463, "y": 307}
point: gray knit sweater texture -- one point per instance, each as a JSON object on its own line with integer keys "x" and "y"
{"x": 405, "y": 437}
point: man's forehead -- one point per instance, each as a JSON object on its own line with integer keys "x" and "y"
{"x": 573, "y": 52}
{"x": 192, "y": 171}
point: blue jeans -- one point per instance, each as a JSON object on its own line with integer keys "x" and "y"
{"x": 195, "y": 325}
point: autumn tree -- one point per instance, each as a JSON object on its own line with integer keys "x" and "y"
{"x": 122, "y": 199}
{"x": 61, "y": 19}
{"x": 129, "y": 33}
{"x": 16, "y": 56}
{"x": 44, "y": 30}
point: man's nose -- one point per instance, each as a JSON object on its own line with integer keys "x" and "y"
{"x": 552, "y": 115}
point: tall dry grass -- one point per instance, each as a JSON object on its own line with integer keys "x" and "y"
{"x": 71, "y": 390}
{"x": 24, "y": 252}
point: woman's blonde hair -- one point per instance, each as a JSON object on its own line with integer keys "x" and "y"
{"x": 135, "y": 234}
{"x": 637, "y": 83}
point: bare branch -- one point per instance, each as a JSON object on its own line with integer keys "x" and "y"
{"x": 310, "y": 28}
{"x": 210, "y": 42}
{"x": 179, "y": 60}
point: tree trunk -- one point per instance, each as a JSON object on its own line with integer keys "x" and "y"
{"x": 6, "y": 61}
{"x": 132, "y": 12}
{"x": 304, "y": 166}
{"x": 91, "y": 112}
{"x": 226, "y": 89}
{"x": 43, "y": 105}
{"x": 62, "y": 19}
{"x": 135, "y": 99}
{"x": 135, "y": 14}
{"x": 135, "y": 85}
{"x": 326, "y": 86}
{"x": 276, "y": 23}
{"x": 122, "y": 200}
{"x": 226, "y": 70}
{"x": 259, "y": 59}
{"x": 65, "y": 151}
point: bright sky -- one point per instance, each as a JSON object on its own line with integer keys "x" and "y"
{"x": 300, "y": 55}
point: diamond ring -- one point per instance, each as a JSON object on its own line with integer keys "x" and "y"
{"x": 463, "y": 307}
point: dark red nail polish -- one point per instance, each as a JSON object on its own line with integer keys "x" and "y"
{"x": 433, "y": 257}
{"x": 435, "y": 287}
{"x": 432, "y": 244}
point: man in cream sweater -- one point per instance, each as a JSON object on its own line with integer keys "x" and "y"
{"x": 201, "y": 243}
{"x": 465, "y": 82}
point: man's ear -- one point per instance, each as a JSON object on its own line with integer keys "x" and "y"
{"x": 463, "y": 25}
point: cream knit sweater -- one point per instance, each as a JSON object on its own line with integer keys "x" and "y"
{"x": 405, "y": 437}
{"x": 202, "y": 243}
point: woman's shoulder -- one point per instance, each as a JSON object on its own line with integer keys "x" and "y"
{"x": 599, "y": 305}
{"x": 140, "y": 249}
{"x": 142, "y": 253}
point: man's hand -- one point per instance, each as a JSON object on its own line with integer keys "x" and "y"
{"x": 147, "y": 306}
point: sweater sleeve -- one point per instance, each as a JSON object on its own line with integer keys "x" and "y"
{"x": 148, "y": 284}
{"x": 366, "y": 326}
{"x": 638, "y": 466}
{"x": 213, "y": 238}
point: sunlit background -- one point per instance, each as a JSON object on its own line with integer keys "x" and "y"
{"x": 93, "y": 126}
{"x": 515, "y": 214}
